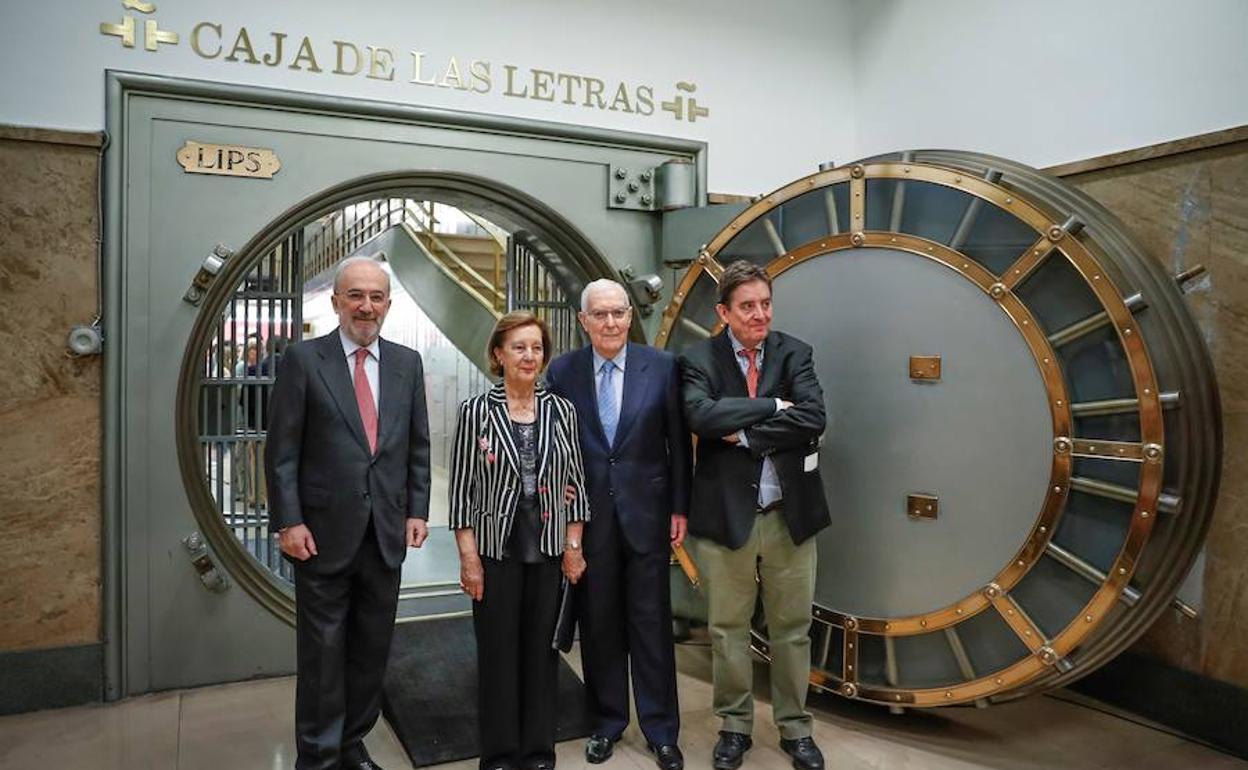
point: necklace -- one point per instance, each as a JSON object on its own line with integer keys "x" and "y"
{"x": 520, "y": 409}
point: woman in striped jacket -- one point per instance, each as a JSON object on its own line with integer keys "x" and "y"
{"x": 517, "y": 507}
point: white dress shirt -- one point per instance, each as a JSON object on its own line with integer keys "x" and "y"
{"x": 372, "y": 364}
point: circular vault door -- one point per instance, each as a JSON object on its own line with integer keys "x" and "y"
{"x": 1023, "y": 432}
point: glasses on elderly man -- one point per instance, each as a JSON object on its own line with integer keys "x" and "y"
{"x": 601, "y": 316}
{"x": 357, "y": 297}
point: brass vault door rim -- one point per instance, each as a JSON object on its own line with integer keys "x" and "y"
{"x": 1055, "y": 238}
{"x": 267, "y": 589}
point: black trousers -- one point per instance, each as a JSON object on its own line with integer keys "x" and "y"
{"x": 625, "y": 615}
{"x": 344, "y": 622}
{"x": 517, "y": 669}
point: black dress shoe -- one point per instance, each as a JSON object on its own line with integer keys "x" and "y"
{"x": 806, "y": 755}
{"x": 730, "y": 750}
{"x": 361, "y": 764}
{"x": 667, "y": 756}
{"x": 540, "y": 766}
{"x": 599, "y": 748}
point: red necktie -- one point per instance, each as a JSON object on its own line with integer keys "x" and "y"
{"x": 364, "y": 399}
{"x": 751, "y": 371}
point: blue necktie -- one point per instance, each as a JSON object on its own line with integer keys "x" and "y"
{"x": 607, "y": 412}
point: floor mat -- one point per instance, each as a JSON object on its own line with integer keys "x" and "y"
{"x": 430, "y": 692}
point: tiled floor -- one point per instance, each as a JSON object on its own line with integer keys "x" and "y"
{"x": 249, "y": 725}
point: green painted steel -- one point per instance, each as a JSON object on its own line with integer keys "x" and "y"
{"x": 162, "y": 628}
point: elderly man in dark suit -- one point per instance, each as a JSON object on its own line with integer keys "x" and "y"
{"x": 348, "y": 477}
{"x": 752, "y": 398}
{"x": 635, "y": 448}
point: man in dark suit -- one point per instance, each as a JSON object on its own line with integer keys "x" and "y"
{"x": 752, "y": 398}
{"x": 635, "y": 448}
{"x": 348, "y": 477}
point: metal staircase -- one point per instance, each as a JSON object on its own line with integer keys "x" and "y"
{"x": 501, "y": 271}
{"x": 476, "y": 262}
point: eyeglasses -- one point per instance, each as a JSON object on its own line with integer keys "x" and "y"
{"x": 357, "y": 297}
{"x": 618, "y": 313}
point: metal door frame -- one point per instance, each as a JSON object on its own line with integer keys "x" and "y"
{"x": 120, "y": 87}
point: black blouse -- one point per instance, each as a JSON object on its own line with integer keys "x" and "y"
{"x": 526, "y": 532}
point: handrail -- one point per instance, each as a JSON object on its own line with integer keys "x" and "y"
{"x": 467, "y": 289}
{"x": 497, "y": 233}
{"x": 457, "y": 261}
{"x": 336, "y": 239}
{"x": 500, "y": 267}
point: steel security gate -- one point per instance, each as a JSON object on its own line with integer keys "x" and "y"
{"x": 532, "y": 286}
{"x": 261, "y": 317}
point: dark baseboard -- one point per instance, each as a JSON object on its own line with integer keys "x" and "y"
{"x": 31, "y": 680}
{"x": 1211, "y": 711}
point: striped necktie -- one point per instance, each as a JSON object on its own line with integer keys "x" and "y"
{"x": 364, "y": 399}
{"x": 608, "y": 410}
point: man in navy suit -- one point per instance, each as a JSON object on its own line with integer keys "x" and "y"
{"x": 637, "y": 457}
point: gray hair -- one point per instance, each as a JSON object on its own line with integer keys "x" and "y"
{"x": 349, "y": 261}
{"x": 600, "y": 284}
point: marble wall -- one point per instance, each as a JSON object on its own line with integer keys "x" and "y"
{"x": 50, "y": 518}
{"x": 1192, "y": 208}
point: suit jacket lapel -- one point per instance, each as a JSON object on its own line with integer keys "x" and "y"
{"x": 545, "y": 428}
{"x": 390, "y": 377}
{"x": 773, "y": 365}
{"x": 335, "y": 373}
{"x": 586, "y": 384}
{"x": 497, "y": 400}
{"x": 634, "y": 388}
{"x": 727, "y": 360}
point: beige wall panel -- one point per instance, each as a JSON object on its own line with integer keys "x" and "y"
{"x": 1191, "y": 208}
{"x": 49, "y": 402}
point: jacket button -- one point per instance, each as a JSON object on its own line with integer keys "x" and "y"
{"x": 753, "y": 486}
{"x": 613, "y": 461}
{"x": 365, "y": 495}
{"x": 611, "y": 492}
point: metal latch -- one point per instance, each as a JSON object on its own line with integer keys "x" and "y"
{"x": 213, "y": 579}
{"x": 920, "y": 506}
{"x": 925, "y": 368}
{"x": 646, "y": 289}
{"x": 207, "y": 273}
